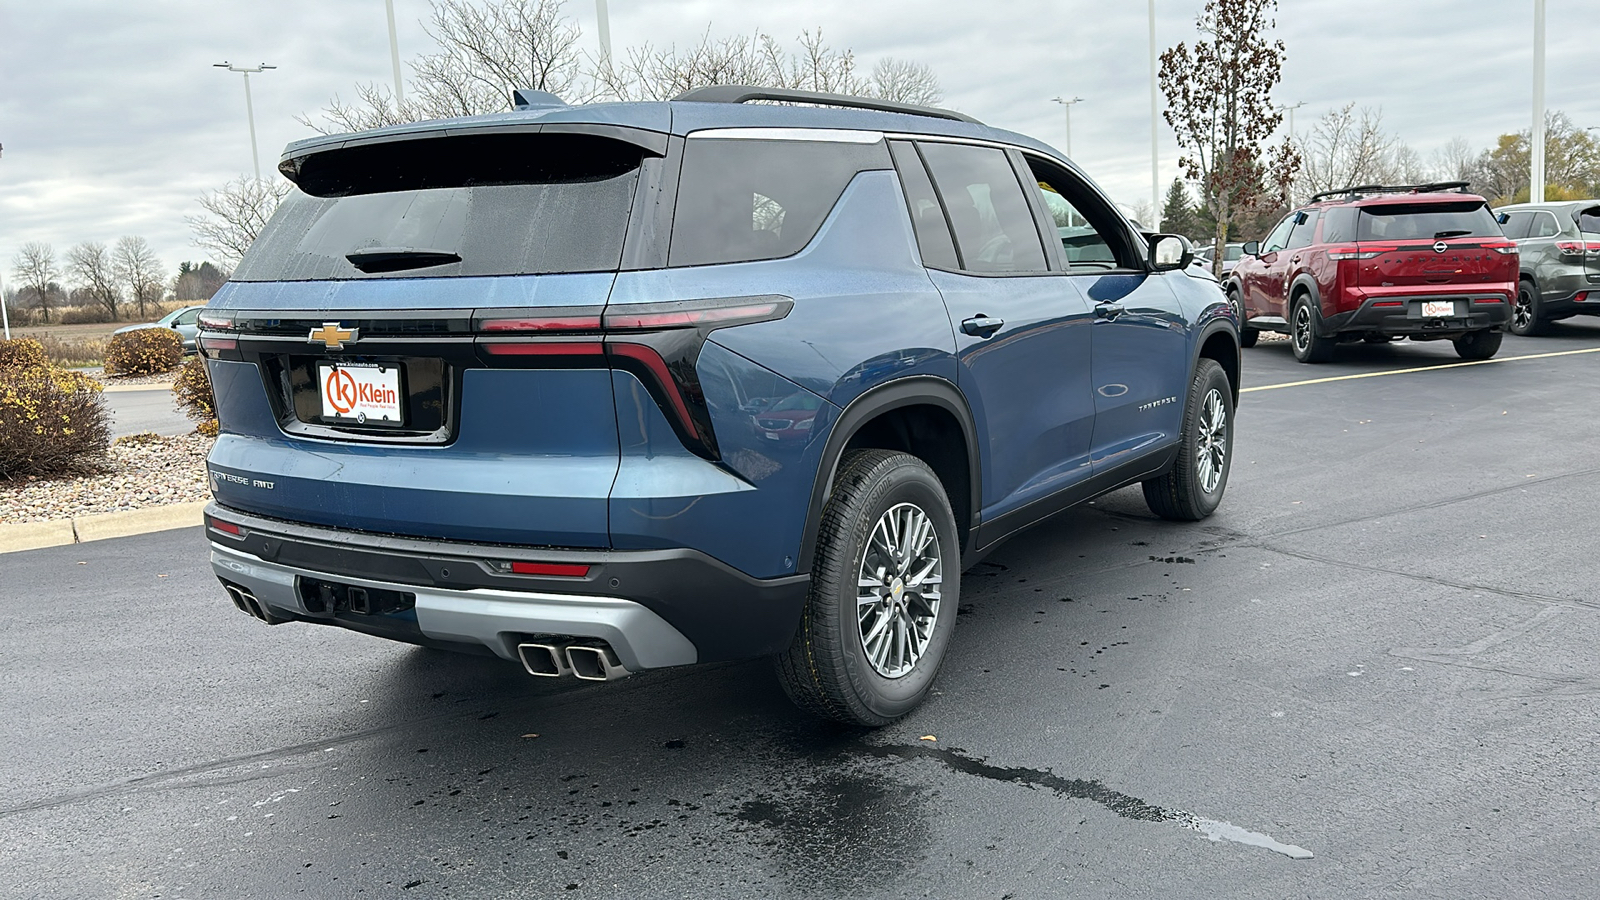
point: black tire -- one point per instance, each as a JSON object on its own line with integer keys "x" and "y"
{"x": 1181, "y": 493}
{"x": 1307, "y": 344}
{"x": 1247, "y": 336}
{"x": 1527, "y": 317}
{"x": 827, "y": 670}
{"x": 1478, "y": 344}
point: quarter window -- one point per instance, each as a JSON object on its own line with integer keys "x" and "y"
{"x": 927, "y": 217}
{"x": 993, "y": 226}
{"x": 1589, "y": 220}
{"x": 1544, "y": 225}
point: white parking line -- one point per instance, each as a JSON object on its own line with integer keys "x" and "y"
{"x": 1476, "y": 362}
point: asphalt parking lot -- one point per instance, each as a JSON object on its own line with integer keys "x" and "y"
{"x": 1379, "y": 654}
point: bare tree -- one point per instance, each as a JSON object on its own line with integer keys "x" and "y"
{"x": 1219, "y": 104}
{"x": 136, "y": 266}
{"x": 234, "y": 215}
{"x": 906, "y": 81}
{"x": 35, "y": 268}
{"x": 89, "y": 265}
{"x": 1345, "y": 149}
{"x": 1454, "y": 161}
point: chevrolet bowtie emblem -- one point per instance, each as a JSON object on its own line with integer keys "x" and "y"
{"x": 330, "y": 335}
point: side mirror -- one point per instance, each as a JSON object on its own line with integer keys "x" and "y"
{"x": 1252, "y": 248}
{"x": 1170, "y": 251}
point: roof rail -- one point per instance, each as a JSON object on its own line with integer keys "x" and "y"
{"x": 1394, "y": 189}
{"x": 743, "y": 93}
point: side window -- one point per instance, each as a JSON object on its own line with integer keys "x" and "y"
{"x": 1589, "y": 220}
{"x": 993, "y": 225}
{"x": 1305, "y": 229}
{"x": 187, "y": 318}
{"x": 741, "y": 200}
{"x": 1544, "y": 225}
{"x": 1338, "y": 224}
{"x": 927, "y": 216}
{"x": 1086, "y": 229}
{"x": 1516, "y": 224}
{"x": 1279, "y": 236}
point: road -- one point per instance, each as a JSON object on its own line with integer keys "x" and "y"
{"x": 135, "y": 411}
{"x": 1380, "y": 651}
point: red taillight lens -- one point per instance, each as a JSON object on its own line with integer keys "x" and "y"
{"x": 1506, "y": 247}
{"x": 1489, "y": 300}
{"x": 545, "y": 322}
{"x": 696, "y": 314}
{"x": 557, "y": 570}
{"x": 215, "y": 321}
{"x": 542, "y": 348}
{"x": 1390, "y": 303}
{"x": 210, "y": 343}
{"x": 1580, "y": 297}
{"x": 1593, "y": 247}
{"x": 225, "y": 527}
{"x": 1358, "y": 252}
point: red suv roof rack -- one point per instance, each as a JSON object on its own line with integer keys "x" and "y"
{"x": 1355, "y": 193}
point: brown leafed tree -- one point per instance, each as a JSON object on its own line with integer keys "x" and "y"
{"x": 136, "y": 266}
{"x": 35, "y": 268}
{"x": 90, "y": 267}
{"x": 1219, "y": 103}
{"x": 234, "y": 214}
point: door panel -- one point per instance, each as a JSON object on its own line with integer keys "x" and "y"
{"x": 1141, "y": 364}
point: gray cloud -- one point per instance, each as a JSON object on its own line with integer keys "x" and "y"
{"x": 114, "y": 121}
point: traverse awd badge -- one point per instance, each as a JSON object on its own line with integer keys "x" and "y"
{"x": 333, "y": 337}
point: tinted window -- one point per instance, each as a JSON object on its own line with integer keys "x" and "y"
{"x": 1092, "y": 235}
{"x": 1305, "y": 229}
{"x": 1544, "y": 225}
{"x": 993, "y": 226}
{"x": 1589, "y": 220}
{"x": 741, "y": 200}
{"x": 933, "y": 233}
{"x": 506, "y": 204}
{"x": 1338, "y": 224}
{"x": 1427, "y": 221}
{"x": 1516, "y": 224}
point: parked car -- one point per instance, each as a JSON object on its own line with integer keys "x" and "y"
{"x": 1559, "y": 275}
{"x": 1231, "y": 254}
{"x": 181, "y": 320}
{"x": 1375, "y": 263}
{"x": 743, "y": 380}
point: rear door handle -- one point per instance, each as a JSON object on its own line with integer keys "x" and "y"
{"x": 1108, "y": 311}
{"x": 981, "y": 325}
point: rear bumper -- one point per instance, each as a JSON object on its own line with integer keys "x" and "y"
{"x": 656, "y": 608}
{"x": 1474, "y": 312}
{"x": 1569, "y": 304}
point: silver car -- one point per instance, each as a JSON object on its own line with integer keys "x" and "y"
{"x": 1559, "y": 245}
{"x": 183, "y": 320}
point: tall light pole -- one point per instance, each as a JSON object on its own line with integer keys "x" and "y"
{"x": 604, "y": 19}
{"x": 1155, "y": 158}
{"x": 1536, "y": 148}
{"x": 5, "y": 317}
{"x": 249, "y": 108}
{"x": 1290, "y": 110}
{"x": 394, "y": 52}
{"x": 1066, "y": 105}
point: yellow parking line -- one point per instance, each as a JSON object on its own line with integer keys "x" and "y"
{"x": 1476, "y": 362}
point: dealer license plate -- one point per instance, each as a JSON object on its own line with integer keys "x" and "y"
{"x": 1432, "y": 309}
{"x": 364, "y": 393}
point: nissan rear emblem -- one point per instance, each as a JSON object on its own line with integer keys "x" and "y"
{"x": 1440, "y": 246}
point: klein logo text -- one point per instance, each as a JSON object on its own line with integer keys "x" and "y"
{"x": 1155, "y": 403}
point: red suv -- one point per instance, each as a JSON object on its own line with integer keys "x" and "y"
{"x": 1427, "y": 262}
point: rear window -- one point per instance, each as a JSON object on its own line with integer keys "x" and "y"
{"x": 741, "y": 200}
{"x": 1426, "y": 221}
{"x": 1589, "y": 220}
{"x": 512, "y": 204}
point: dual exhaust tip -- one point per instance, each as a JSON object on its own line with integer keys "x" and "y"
{"x": 248, "y": 603}
{"x": 590, "y": 660}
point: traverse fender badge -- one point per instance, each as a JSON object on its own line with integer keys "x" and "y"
{"x": 333, "y": 337}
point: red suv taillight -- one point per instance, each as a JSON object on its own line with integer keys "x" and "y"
{"x": 1506, "y": 247}
{"x": 1359, "y": 252}
{"x": 658, "y": 342}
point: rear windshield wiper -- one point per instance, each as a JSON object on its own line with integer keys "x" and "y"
{"x": 373, "y": 260}
{"x": 1454, "y": 232}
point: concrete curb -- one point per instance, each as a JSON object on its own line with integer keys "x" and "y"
{"x": 99, "y": 527}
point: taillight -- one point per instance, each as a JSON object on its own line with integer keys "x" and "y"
{"x": 211, "y": 343}
{"x": 558, "y": 570}
{"x": 1358, "y": 252}
{"x": 545, "y": 321}
{"x": 215, "y": 321}
{"x": 1570, "y": 248}
{"x": 709, "y": 314}
{"x": 1506, "y": 247}
{"x": 542, "y": 348}
{"x": 1593, "y": 247}
{"x": 224, "y": 527}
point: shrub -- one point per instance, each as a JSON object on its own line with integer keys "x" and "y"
{"x": 144, "y": 351}
{"x": 86, "y": 351}
{"x": 84, "y": 315}
{"x": 192, "y": 391}
{"x": 22, "y": 353}
{"x": 52, "y": 422}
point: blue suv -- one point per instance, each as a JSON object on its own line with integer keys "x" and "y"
{"x": 618, "y": 387}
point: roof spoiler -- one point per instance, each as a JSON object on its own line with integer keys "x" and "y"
{"x": 1367, "y": 189}
{"x": 744, "y": 93}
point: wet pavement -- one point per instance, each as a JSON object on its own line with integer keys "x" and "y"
{"x": 1373, "y": 673}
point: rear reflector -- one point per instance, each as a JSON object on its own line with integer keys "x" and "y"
{"x": 558, "y": 570}
{"x": 1390, "y": 303}
{"x": 1489, "y": 300}
{"x": 225, "y": 527}
{"x": 1581, "y": 297}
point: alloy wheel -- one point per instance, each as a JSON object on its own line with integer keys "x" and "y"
{"x": 1211, "y": 446}
{"x": 1302, "y": 328}
{"x": 1522, "y": 310}
{"x": 897, "y": 601}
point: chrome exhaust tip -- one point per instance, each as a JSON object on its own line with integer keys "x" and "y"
{"x": 247, "y": 602}
{"x": 544, "y": 660}
{"x": 595, "y": 662}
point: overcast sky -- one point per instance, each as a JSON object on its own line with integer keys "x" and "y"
{"x": 113, "y": 120}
